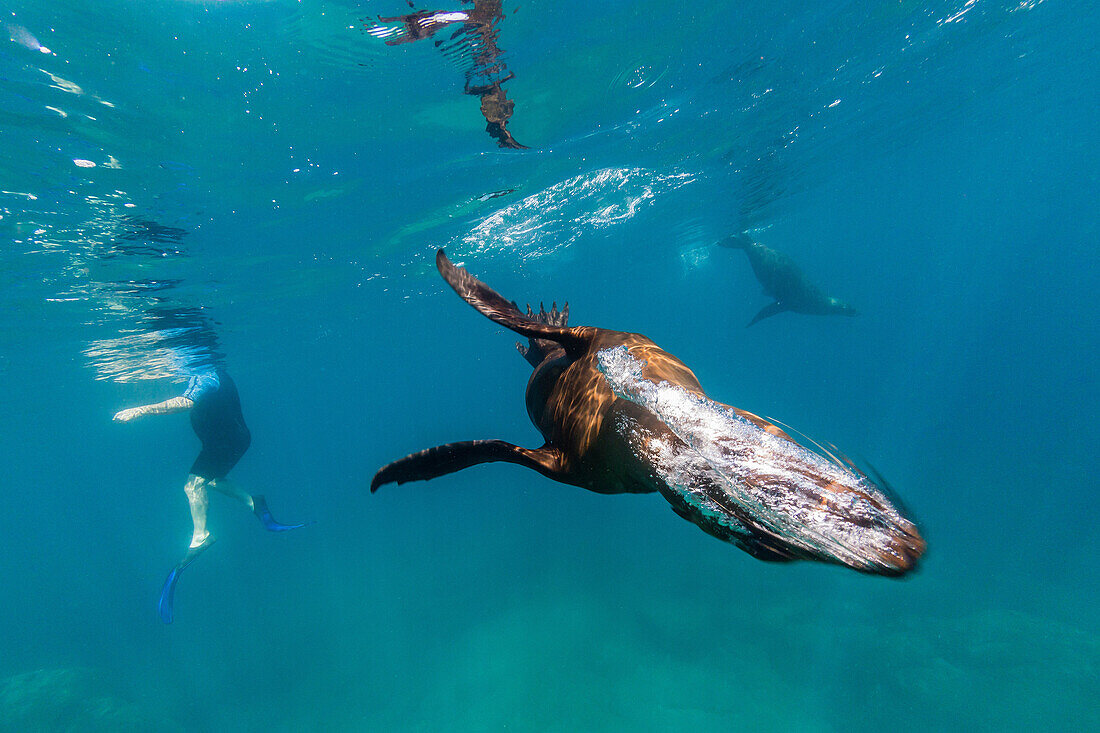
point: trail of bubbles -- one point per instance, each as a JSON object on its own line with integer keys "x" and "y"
{"x": 749, "y": 481}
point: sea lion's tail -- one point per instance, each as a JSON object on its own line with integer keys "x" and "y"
{"x": 536, "y": 349}
{"x": 741, "y": 240}
{"x": 493, "y": 306}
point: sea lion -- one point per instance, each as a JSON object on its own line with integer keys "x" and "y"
{"x": 770, "y": 496}
{"x": 783, "y": 280}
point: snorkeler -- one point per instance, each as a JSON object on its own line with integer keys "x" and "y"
{"x": 496, "y": 108}
{"x": 477, "y": 31}
{"x": 216, "y": 418}
{"x": 422, "y": 24}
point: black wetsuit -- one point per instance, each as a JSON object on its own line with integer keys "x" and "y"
{"x": 217, "y": 420}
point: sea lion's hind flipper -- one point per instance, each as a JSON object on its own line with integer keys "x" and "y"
{"x": 444, "y": 459}
{"x": 493, "y": 306}
{"x": 767, "y": 311}
{"x": 535, "y": 350}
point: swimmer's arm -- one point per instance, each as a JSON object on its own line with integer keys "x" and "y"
{"x": 176, "y": 404}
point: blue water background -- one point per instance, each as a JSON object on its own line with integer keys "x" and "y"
{"x": 933, "y": 163}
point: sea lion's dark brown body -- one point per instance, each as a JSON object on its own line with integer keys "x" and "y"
{"x": 577, "y": 414}
{"x": 597, "y": 440}
{"x": 574, "y": 409}
{"x": 567, "y": 398}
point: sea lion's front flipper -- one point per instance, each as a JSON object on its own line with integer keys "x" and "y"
{"x": 742, "y": 537}
{"x": 767, "y": 311}
{"x": 493, "y": 306}
{"x": 444, "y": 459}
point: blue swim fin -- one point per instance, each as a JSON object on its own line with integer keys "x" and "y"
{"x": 168, "y": 592}
{"x": 259, "y": 508}
{"x": 167, "y": 596}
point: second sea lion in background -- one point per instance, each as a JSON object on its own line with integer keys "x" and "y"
{"x": 782, "y": 280}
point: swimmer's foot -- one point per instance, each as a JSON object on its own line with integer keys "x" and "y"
{"x": 259, "y": 508}
{"x": 194, "y": 551}
{"x": 168, "y": 592}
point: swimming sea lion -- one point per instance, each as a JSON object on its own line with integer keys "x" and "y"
{"x": 771, "y": 497}
{"x": 783, "y": 280}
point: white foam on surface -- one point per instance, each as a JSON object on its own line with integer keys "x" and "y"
{"x": 556, "y": 217}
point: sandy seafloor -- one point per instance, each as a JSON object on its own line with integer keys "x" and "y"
{"x": 268, "y": 181}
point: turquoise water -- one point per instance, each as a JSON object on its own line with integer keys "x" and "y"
{"x": 268, "y": 182}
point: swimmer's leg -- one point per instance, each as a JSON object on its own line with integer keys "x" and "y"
{"x": 256, "y": 503}
{"x": 230, "y": 489}
{"x": 199, "y": 501}
{"x": 200, "y": 541}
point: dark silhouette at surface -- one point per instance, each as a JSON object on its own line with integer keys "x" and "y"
{"x": 496, "y": 108}
{"x": 476, "y": 32}
{"x": 155, "y": 333}
{"x": 782, "y": 280}
{"x": 145, "y": 238}
{"x": 597, "y": 440}
{"x": 140, "y": 229}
